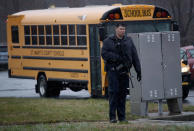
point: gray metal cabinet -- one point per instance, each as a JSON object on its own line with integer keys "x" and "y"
{"x": 171, "y": 64}
{"x": 161, "y": 71}
{"x": 151, "y": 66}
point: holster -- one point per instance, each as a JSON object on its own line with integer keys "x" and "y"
{"x": 122, "y": 69}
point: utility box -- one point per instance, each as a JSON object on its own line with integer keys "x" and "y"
{"x": 159, "y": 54}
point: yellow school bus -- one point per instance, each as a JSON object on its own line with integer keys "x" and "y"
{"x": 60, "y": 47}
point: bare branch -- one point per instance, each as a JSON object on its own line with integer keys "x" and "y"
{"x": 190, "y": 16}
{"x": 173, "y": 9}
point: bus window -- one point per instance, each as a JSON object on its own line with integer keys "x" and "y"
{"x": 142, "y": 26}
{"x": 56, "y": 34}
{"x": 27, "y": 35}
{"x": 41, "y": 34}
{"x": 71, "y": 34}
{"x": 63, "y": 34}
{"x": 81, "y": 35}
{"x": 165, "y": 26}
{"x": 148, "y": 26}
{"x": 15, "y": 34}
{"x": 48, "y": 35}
{"x": 34, "y": 34}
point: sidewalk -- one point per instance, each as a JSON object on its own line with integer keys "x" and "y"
{"x": 186, "y": 119}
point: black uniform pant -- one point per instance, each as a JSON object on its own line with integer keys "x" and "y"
{"x": 117, "y": 88}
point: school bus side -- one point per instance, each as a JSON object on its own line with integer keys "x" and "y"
{"x": 56, "y": 65}
{"x": 69, "y": 58}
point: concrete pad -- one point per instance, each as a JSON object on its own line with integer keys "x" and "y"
{"x": 184, "y": 116}
{"x": 183, "y": 119}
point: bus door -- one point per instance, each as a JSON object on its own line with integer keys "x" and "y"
{"x": 95, "y": 62}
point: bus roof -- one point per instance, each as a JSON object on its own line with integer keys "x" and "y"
{"x": 82, "y": 15}
{"x": 88, "y": 14}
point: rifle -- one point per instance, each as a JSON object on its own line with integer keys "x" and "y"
{"x": 125, "y": 62}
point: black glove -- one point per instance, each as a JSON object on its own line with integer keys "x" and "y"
{"x": 139, "y": 76}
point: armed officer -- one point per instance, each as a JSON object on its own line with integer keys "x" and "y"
{"x": 119, "y": 54}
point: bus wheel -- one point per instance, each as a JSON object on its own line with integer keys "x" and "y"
{"x": 42, "y": 86}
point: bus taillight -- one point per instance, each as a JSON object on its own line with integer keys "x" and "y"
{"x": 158, "y": 14}
{"x": 111, "y": 16}
{"x": 161, "y": 13}
{"x": 164, "y": 14}
{"x": 117, "y": 16}
{"x": 114, "y": 16}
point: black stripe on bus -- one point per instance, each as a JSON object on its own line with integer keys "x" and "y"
{"x": 55, "y": 69}
{"x": 46, "y": 47}
{"x": 16, "y": 57}
{"x": 16, "y": 46}
{"x": 56, "y": 58}
{"x": 68, "y": 80}
{"x": 21, "y": 77}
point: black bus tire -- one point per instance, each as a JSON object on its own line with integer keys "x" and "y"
{"x": 42, "y": 86}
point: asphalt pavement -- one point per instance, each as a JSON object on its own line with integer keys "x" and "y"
{"x": 14, "y": 87}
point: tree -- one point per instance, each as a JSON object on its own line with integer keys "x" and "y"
{"x": 183, "y": 13}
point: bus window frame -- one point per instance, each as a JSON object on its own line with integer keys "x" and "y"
{"x": 27, "y": 35}
{"x": 81, "y": 35}
{"x": 49, "y": 32}
{"x": 56, "y": 35}
{"x": 34, "y": 35}
{"x": 41, "y": 35}
{"x": 18, "y": 35}
{"x": 49, "y": 35}
{"x": 72, "y": 35}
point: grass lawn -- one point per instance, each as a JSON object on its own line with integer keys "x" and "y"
{"x": 93, "y": 126}
{"x": 29, "y": 110}
{"x": 82, "y": 113}
{"x": 36, "y": 110}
